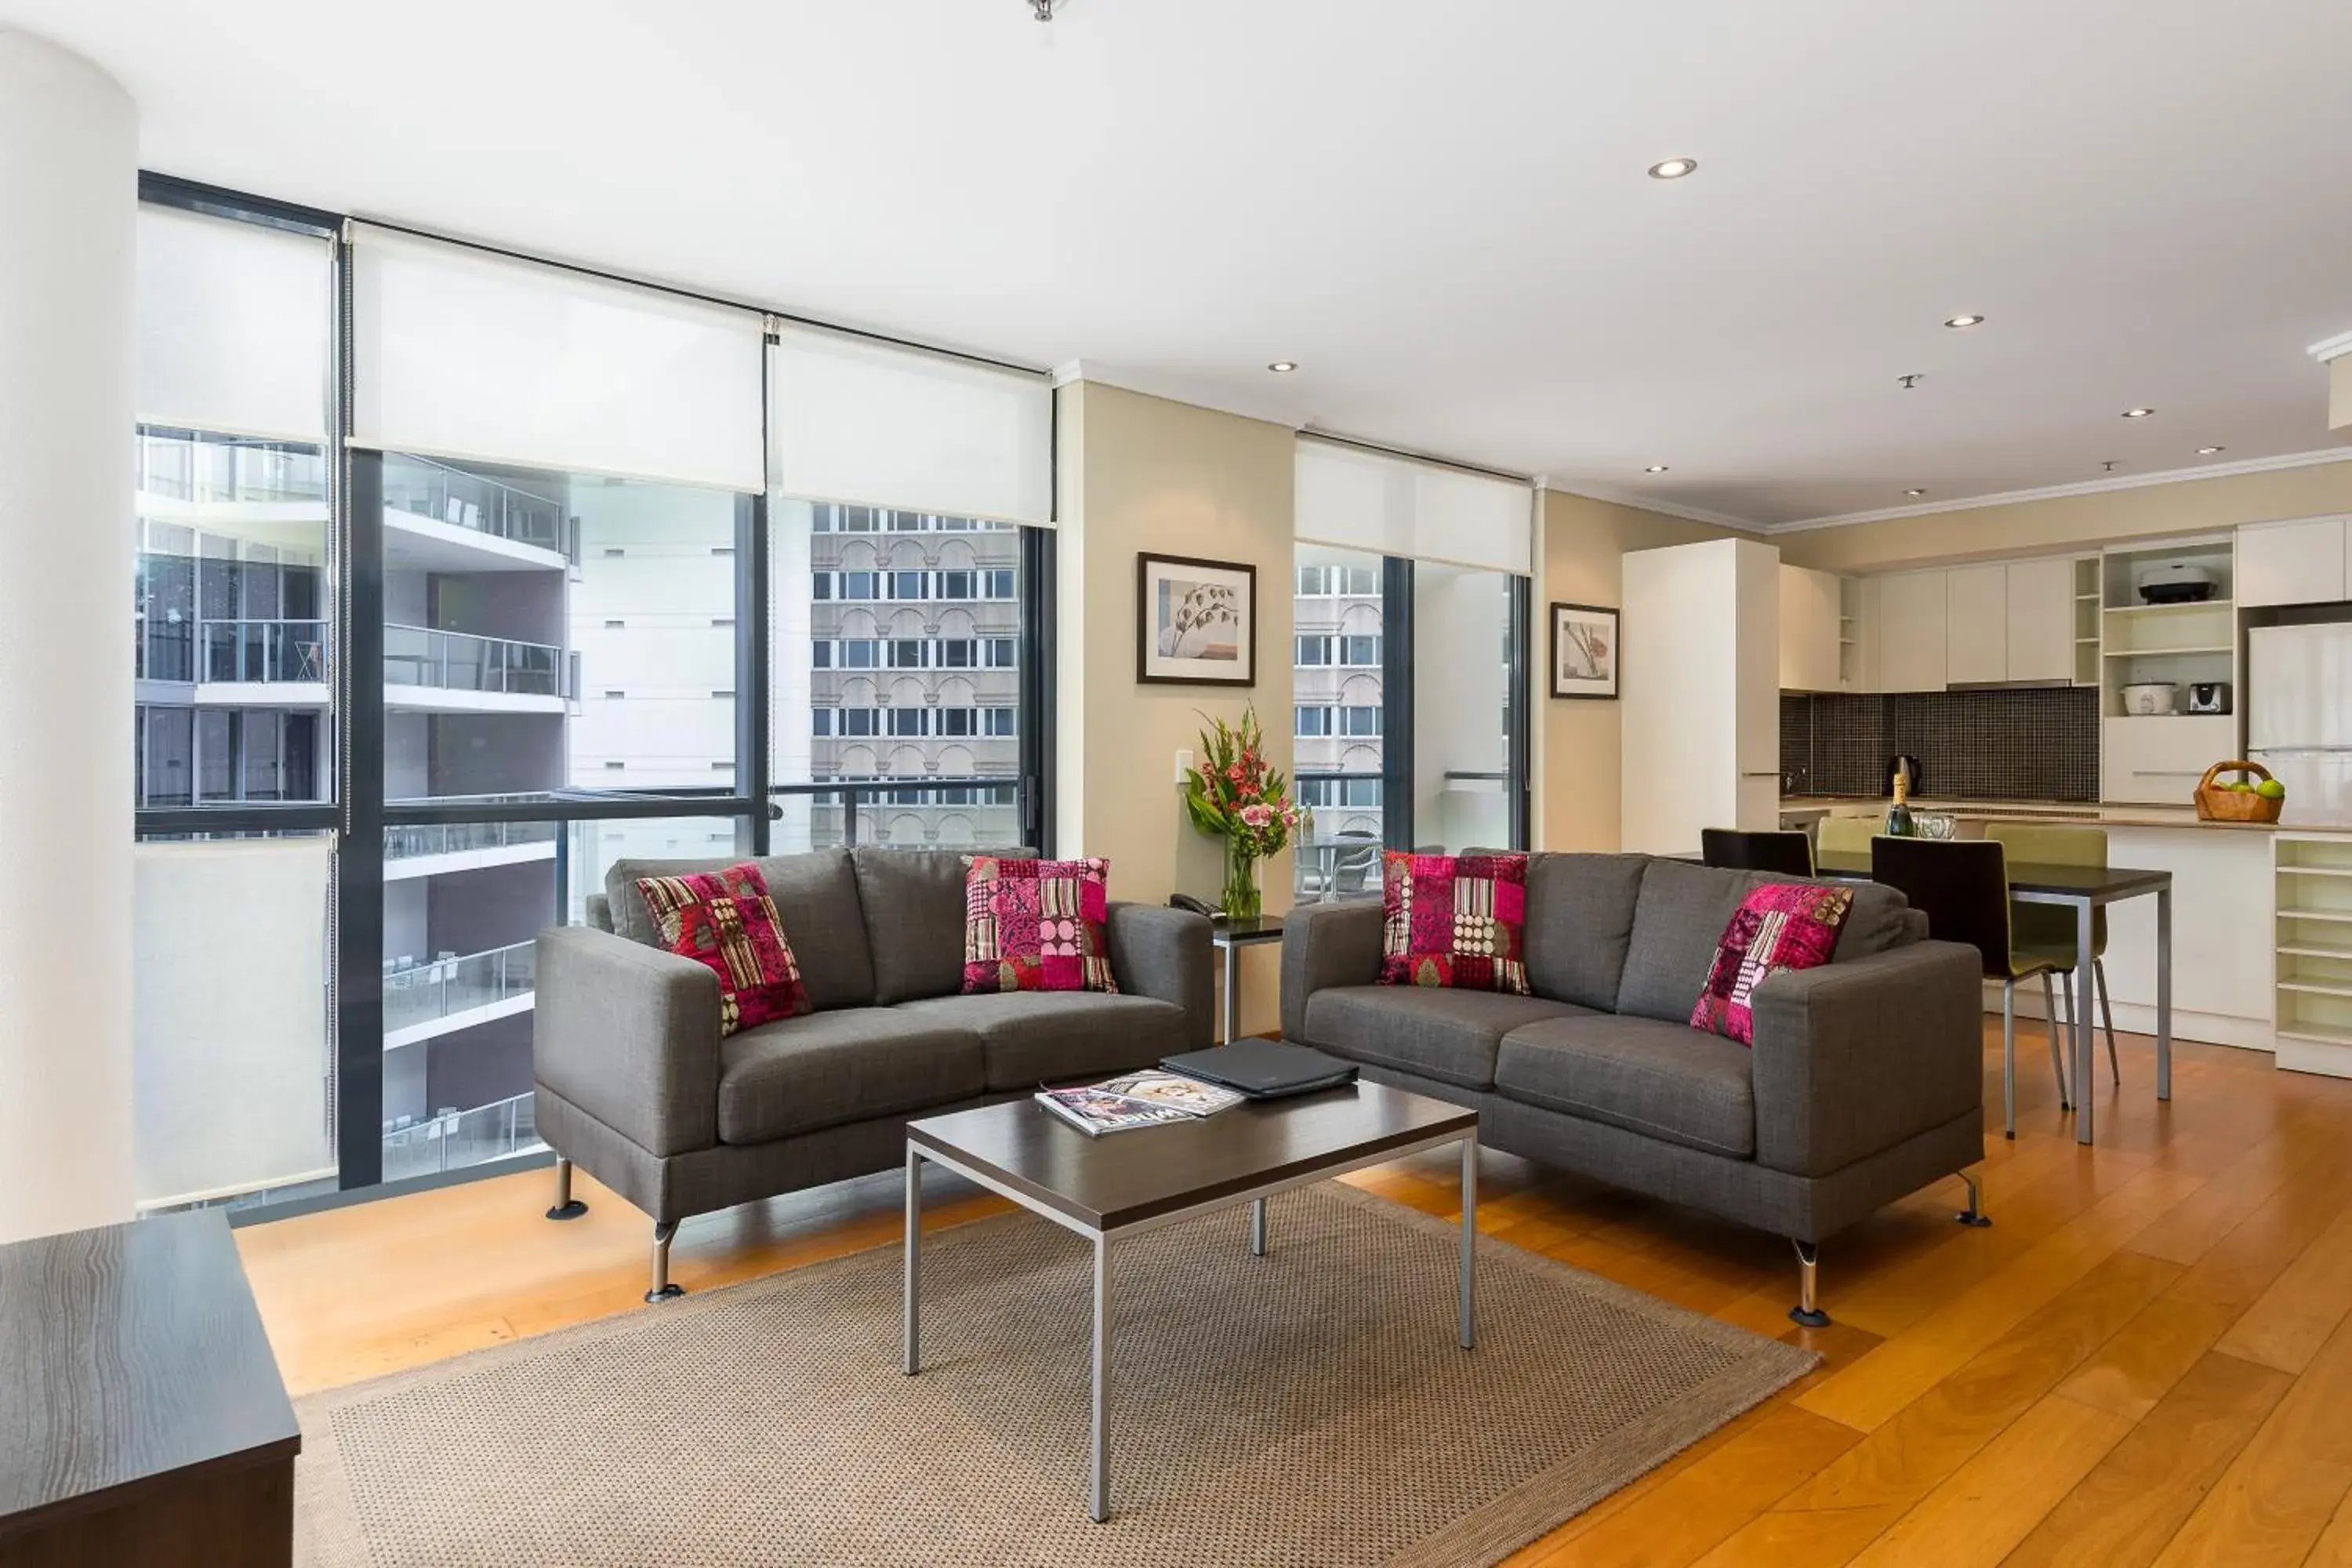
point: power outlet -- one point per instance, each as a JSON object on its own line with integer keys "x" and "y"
{"x": 1184, "y": 764}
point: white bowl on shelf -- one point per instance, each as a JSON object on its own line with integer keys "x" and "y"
{"x": 2150, "y": 698}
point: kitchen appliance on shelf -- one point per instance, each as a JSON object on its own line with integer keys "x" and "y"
{"x": 2177, "y": 583}
{"x": 2298, "y": 720}
{"x": 2149, "y": 699}
{"x": 2208, "y": 697}
{"x": 1915, "y": 777}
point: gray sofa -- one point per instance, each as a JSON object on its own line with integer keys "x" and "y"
{"x": 1865, "y": 1081}
{"x": 634, "y": 1084}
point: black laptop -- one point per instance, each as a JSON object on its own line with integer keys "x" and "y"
{"x": 1264, "y": 1070}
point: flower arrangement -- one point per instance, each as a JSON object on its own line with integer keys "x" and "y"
{"x": 1234, "y": 794}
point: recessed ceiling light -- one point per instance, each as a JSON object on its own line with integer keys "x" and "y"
{"x": 1674, "y": 168}
{"x": 1965, "y": 321}
{"x": 1283, "y": 366}
{"x": 1914, "y": 492}
{"x": 1655, "y": 468}
{"x": 2137, "y": 413}
{"x": 2207, "y": 451}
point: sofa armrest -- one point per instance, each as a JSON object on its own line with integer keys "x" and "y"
{"x": 1325, "y": 945}
{"x": 1164, "y": 952}
{"x": 1853, "y": 1057}
{"x": 629, "y": 1034}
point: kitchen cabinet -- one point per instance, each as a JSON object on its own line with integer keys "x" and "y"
{"x": 1701, "y": 708}
{"x": 2302, "y": 562}
{"x": 2157, "y": 760}
{"x": 1811, "y": 611}
{"x": 2041, "y": 597}
{"x": 1912, "y": 620}
{"x": 1976, "y": 635}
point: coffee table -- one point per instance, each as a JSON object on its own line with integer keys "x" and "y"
{"x": 1124, "y": 1183}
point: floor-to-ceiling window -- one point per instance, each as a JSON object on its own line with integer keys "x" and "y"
{"x": 461, "y": 579}
{"x": 1408, "y": 662}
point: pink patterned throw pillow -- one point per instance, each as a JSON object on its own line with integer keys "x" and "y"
{"x": 726, "y": 922}
{"x": 1454, "y": 919}
{"x": 1781, "y": 925}
{"x": 1036, "y": 925}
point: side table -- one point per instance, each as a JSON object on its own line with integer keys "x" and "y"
{"x": 1230, "y": 937}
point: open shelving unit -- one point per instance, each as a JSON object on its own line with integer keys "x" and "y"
{"x": 2313, "y": 967}
{"x": 1850, "y": 670}
{"x": 2086, "y": 620}
{"x": 2158, "y": 758}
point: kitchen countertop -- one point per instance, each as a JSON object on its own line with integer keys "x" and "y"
{"x": 2053, "y": 811}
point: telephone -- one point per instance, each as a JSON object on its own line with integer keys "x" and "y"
{"x": 1187, "y": 901}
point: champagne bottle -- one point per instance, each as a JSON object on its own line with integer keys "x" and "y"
{"x": 1898, "y": 817}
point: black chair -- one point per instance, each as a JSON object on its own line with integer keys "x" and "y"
{"x": 1736, "y": 849}
{"x": 1963, "y": 887}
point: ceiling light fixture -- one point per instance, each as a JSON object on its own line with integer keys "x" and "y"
{"x": 1042, "y": 9}
{"x": 1914, "y": 379}
{"x": 2137, "y": 413}
{"x": 1965, "y": 321}
{"x": 1283, "y": 366}
{"x": 1655, "y": 468}
{"x": 1914, "y": 492}
{"x": 2207, "y": 451}
{"x": 1674, "y": 168}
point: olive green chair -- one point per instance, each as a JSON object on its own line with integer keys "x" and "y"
{"x": 1847, "y": 835}
{"x": 2047, "y": 931}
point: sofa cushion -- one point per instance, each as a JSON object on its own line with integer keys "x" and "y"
{"x": 816, "y": 894}
{"x": 725, "y": 921}
{"x": 1036, "y": 925}
{"x": 849, "y": 1065}
{"x": 1882, "y": 919}
{"x": 1580, "y": 919}
{"x": 1681, "y": 914}
{"x": 1033, "y": 1038}
{"x": 1449, "y": 1036}
{"x": 1664, "y": 1080}
{"x": 914, "y": 905}
{"x": 1454, "y": 921}
{"x": 1779, "y": 926}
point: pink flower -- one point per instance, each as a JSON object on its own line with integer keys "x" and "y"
{"x": 1235, "y": 773}
{"x": 1257, "y": 816}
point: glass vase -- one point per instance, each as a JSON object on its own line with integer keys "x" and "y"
{"x": 1242, "y": 900}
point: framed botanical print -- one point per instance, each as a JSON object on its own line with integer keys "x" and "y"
{"x": 1195, "y": 620}
{"x": 1584, "y": 651}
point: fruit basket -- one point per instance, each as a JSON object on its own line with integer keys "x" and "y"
{"x": 2218, "y": 802}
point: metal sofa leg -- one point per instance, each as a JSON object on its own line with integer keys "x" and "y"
{"x": 664, "y": 1289}
{"x": 566, "y": 1206}
{"x": 1974, "y": 1213}
{"x": 2108, "y": 1017}
{"x": 1806, "y": 1311}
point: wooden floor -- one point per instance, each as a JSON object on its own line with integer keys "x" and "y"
{"x": 2148, "y": 1359}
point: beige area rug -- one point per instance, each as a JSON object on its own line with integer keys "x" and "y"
{"x": 1310, "y": 1407}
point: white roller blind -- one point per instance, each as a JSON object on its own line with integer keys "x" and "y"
{"x": 1394, "y": 506}
{"x": 460, "y": 353}
{"x": 235, "y": 326}
{"x": 850, "y": 419}
{"x": 228, "y": 994}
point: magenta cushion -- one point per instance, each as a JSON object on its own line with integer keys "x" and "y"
{"x": 726, "y": 922}
{"x": 1781, "y": 925}
{"x": 1036, "y": 925}
{"x": 1454, "y": 919}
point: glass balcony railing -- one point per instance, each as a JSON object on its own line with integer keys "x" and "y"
{"x": 263, "y": 650}
{"x": 425, "y": 488}
{"x": 460, "y": 661}
{"x": 210, "y": 468}
{"x": 425, "y": 992}
{"x": 457, "y": 1139}
{"x": 409, "y": 841}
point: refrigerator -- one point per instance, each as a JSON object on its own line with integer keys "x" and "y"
{"x": 2299, "y": 717}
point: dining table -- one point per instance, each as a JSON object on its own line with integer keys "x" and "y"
{"x": 2083, "y": 890}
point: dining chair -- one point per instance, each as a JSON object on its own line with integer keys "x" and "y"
{"x": 1847, "y": 835}
{"x": 1738, "y": 849}
{"x": 2049, "y": 931}
{"x": 1963, "y": 887}
{"x": 1355, "y": 866}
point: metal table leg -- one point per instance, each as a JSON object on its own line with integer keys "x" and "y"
{"x": 914, "y": 1245}
{"x": 2164, "y": 992}
{"x": 1232, "y": 993}
{"x": 1468, "y": 1311}
{"x": 1257, "y": 1228}
{"x": 1099, "y": 1509}
{"x": 2080, "y": 981}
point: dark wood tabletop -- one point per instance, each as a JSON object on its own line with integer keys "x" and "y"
{"x": 1245, "y": 933}
{"x": 1123, "y": 1178}
{"x": 2101, "y": 885}
{"x": 130, "y": 1354}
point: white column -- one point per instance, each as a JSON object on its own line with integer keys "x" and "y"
{"x": 69, "y": 191}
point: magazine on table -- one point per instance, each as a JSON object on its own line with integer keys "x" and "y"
{"x": 1148, "y": 1099}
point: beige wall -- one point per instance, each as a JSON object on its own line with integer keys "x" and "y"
{"x": 2339, "y": 397}
{"x": 1141, "y": 473}
{"x": 2025, "y": 528}
{"x": 1576, "y": 742}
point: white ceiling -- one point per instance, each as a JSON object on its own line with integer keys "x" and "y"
{"x": 1438, "y": 209}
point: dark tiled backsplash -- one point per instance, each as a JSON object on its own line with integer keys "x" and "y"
{"x": 2027, "y": 743}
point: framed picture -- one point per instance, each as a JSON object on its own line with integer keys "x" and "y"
{"x": 1584, "y": 651}
{"x": 1195, "y": 620}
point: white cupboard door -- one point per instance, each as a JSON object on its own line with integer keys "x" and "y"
{"x": 1810, "y": 609}
{"x": 1911, "y": 621}
{"x": 1755, "y": 697}
{"x": 2041, "y": 620}
{"x": 2293, "y": 563}
{"x": 1977, "y": 632}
